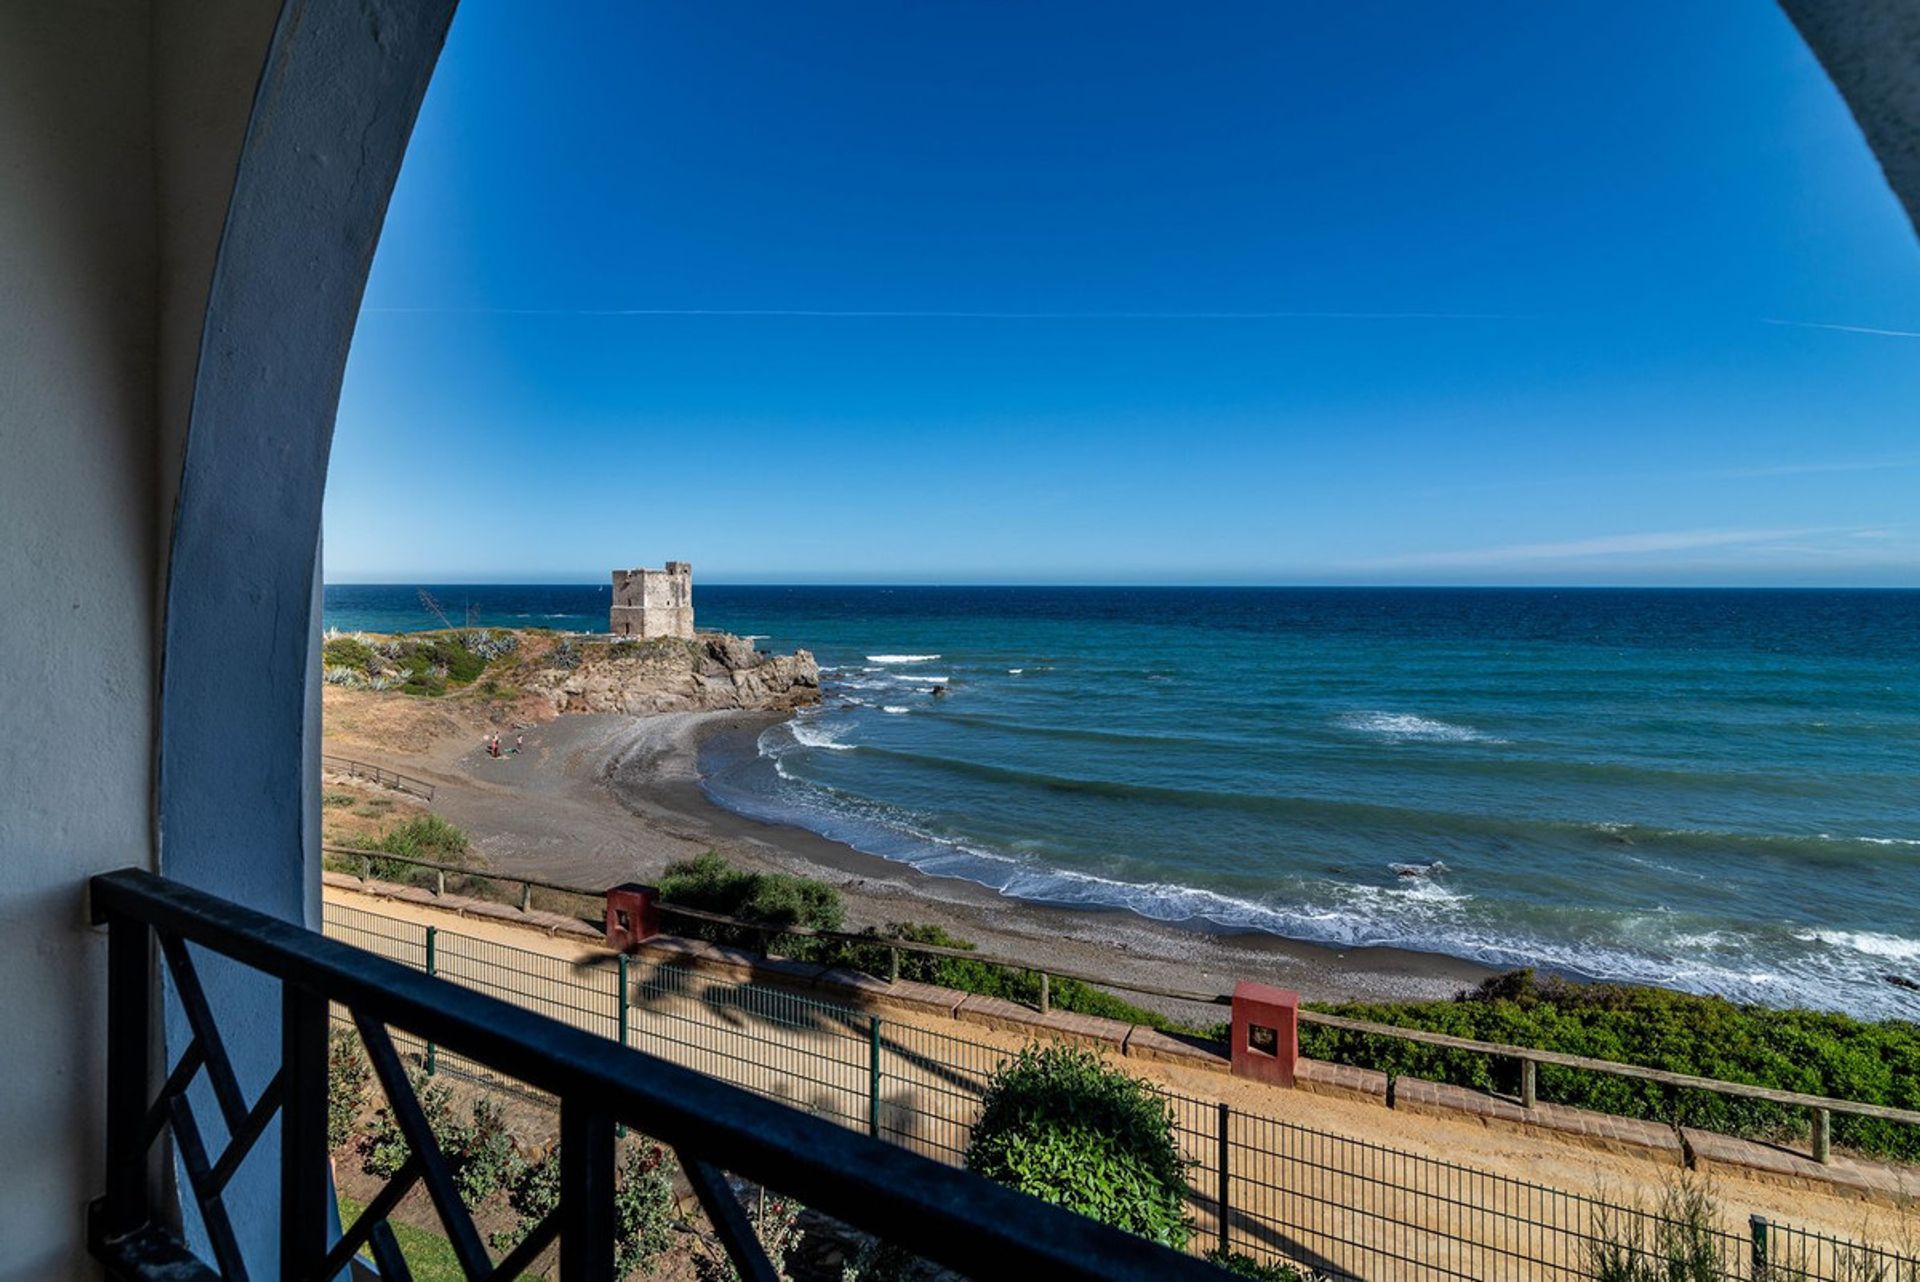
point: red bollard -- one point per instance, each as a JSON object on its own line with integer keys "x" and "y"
{"x": 1266, "y": 1033}
{"x": 633, "y": 915}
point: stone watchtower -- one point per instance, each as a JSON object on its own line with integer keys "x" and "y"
{"x": 653, "y": 603}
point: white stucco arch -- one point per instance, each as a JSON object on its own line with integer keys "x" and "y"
{"x": 238, "y": 753}
{"x": 192, "y": 195}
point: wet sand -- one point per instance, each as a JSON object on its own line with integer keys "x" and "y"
{"x": 594, "y": 800}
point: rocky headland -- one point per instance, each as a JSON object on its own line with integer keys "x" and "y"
{"x": 531, "y": 675}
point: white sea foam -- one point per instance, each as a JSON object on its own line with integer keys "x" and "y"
{"x": 895, "y": 709}
{"x": 1872, "y": 943}
{"x": 901, "y": 658}
{"x": 1014, "y": 672}
{"x": 1398, "y": 726}
{"x": 754, "y": 636}
{"x": 811, "y": 734}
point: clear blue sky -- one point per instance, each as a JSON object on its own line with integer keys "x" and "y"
{"x": 1272, "y": 292}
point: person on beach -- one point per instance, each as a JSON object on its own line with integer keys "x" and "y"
{"x": 519, "y": 742}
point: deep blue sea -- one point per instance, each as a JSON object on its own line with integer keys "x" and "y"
{"x": 1718, "y": 790}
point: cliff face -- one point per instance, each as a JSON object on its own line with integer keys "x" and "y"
{"x": 713, "y": 672}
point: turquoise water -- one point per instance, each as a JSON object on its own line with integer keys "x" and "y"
{"x": 1716, "y": 790}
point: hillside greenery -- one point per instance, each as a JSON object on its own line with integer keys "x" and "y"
{"x": 779, "y": 900}
{"x": 1813, "y": 1052}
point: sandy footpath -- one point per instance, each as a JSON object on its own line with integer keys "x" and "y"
{"x": 593, "y": 800}
{"x": 1328, "y": 1191}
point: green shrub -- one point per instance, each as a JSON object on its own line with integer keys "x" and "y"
{"x": 478, "y": 1150}
{"x": 643, "y": 1209}
{"x": 1060, "y": 1124}
{"x": 770, "y": 898}
{"x": 384, "y": 1148}
{"x": 1678, "y": 1242}
{"x": 1245, "y": 1266}
{"x": 349, "y": 652}
{"x": 1814, "y": 1052}
{"x": 427, "y": 837}
{"x": 643, "y": 1205}
{"x": 348, "y": 1074}
{"x": 533, "y": 1191}
{"x": 481, "y": 1152}
{"x": 776, "y": 1222}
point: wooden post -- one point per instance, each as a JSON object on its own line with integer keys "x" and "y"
{"x": 893, "y": 965}
{"x": 439, "y": 882}
{"x": 526, "y": 895}
{"x": 1529, "y": 1095}
{"x": 1822, "y": 1136}
{"x": 1046, "y": 993}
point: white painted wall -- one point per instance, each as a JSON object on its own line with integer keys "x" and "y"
{"x": 101, "y": 297}
{"x": 79, "y": 559}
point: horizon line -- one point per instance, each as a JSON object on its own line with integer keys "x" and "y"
{"x": 1144, "y": 585}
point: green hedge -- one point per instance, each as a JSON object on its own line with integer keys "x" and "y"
{"x": 782, "y": 899}
{"x": 1058, "y": 1123}
{"x": 1813, "y": 1052}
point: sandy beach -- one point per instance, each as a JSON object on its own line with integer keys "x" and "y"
{"x": 597, "y": 799}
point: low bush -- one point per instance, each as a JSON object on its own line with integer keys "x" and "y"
{"x": 643, "y": 1205}
{"x": 776, "y": 1222}
{"x": 781, "y": 899}
{"x": 348, "y": 1075}
{"x": 427, "y": 837}
{"x": 478, "y": 1148}
{"x": 1245, "y": 1266}
{"x": 384, "y": 1148}
{"x": 1814, "y": 1052}
{"x": 769, "y": 898}
{"x": 1678, "y": 1242}
{"x": 643, "y": 1209}
{"x": 1058, "y": 1123}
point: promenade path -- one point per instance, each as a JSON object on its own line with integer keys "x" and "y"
{"x": 1311, "y": 1174}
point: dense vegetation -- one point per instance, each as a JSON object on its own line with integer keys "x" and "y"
{"x": 1799, "y": 1050}
{"x": 1058, "y": 1123}
{"x": 780, "y": 900}
{"x": 425, "y": 836}
{"x": 423, "y": 663}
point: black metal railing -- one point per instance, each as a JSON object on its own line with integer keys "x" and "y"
{"x": 941, "y": 1214}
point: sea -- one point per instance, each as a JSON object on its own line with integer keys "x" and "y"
{"x": 1717, "y": 790}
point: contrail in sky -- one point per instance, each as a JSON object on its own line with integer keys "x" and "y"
{"x": 1845, "y": 329}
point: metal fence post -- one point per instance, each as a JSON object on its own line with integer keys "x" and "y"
{"x": 621, "y": 1017}
{"x": 873, "y": 1075}
{"x": 433, "y": 938}
{"x": 1757, "y": 1227}
{"x": 1224, "y": 1199}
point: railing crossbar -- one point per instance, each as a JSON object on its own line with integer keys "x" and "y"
{"x": 941, "y": 1214}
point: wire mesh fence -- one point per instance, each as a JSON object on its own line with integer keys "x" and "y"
{"x": 1270, "y": 1190}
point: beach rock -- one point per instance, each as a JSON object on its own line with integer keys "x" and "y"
{"x": 714, "y": 672}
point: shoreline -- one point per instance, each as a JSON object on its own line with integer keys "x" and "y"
{"x": 599, "y": 798}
